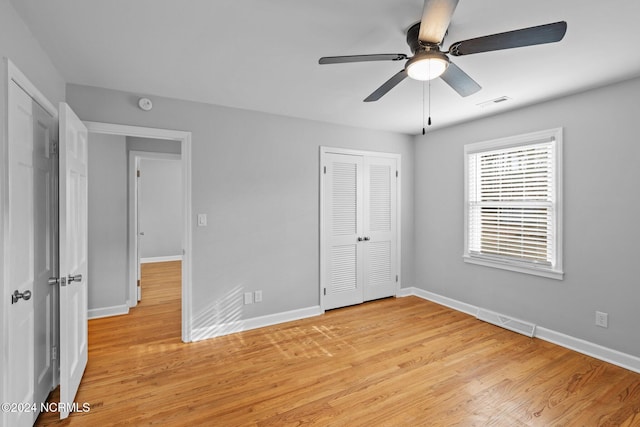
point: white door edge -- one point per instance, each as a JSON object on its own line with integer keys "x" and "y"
{"x": 185, "y": 143}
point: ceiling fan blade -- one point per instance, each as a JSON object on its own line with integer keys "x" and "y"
{"x": 436, "y": 16}
{"x": 541, "y": 34}
{"x": 362, "y": 58}
{"x": 387, "y": 86}
{"x": 460, "y": 81}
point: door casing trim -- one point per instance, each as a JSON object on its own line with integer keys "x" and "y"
{"x": 184, "y": 138}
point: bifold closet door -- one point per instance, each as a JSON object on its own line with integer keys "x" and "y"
{"x": 360, "y": 229}
{"x": 343, "y": 205}
{"x": 379, "y": 246}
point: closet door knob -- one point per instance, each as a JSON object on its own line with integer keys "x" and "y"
{"x": 366, "y": 239}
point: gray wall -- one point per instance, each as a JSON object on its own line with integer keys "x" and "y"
{"x": 256, "y": 176}
{"x": 160, "y": 207}
{"x": 601, "y": 211}
{"x": 107, "y": 221}
{"x": 153, "y": 145}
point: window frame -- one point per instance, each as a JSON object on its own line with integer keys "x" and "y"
{"x": 553, "y": 271}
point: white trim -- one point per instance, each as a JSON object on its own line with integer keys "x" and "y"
{"x": 185, "y": 155}
{"x": 324, "y": 150}
{"x": 512, "y": 266}
{"x": 597, "y": 351}
{"x": 221, "y": 329}
{"x": 116, "y": 310}
{"x": 153, "y": 259}
{"x": 442, "y": 300}
{"x": 138, "y": 131}
{"x": 13, "y": 73}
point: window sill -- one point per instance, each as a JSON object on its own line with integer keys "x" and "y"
{"x": 511, "y": 266}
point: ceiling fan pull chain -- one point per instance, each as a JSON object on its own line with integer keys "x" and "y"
{"x": 429, "y": 121}
{"x": 423, "y": 102}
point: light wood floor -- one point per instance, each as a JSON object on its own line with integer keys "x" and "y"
{"x": 393, "y": 362}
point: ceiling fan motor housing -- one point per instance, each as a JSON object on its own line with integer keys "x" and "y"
{"x": 412, "y": 37}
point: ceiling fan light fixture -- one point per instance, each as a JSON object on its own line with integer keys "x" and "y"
{"x": 427, "y": 65}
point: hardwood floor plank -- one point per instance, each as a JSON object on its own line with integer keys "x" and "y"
{"x": 392, "y": 362}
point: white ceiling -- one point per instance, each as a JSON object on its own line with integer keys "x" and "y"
{"x": 263, "y": 55}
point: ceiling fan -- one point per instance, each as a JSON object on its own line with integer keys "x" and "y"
{"x": 429, "y": 62}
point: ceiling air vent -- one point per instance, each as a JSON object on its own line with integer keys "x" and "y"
{"x": 495, "y": 101}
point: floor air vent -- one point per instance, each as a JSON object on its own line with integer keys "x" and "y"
{"x": 507, "y": 322}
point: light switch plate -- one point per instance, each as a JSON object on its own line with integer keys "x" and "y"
{"x": 248, "y": 297}
{"x": 202, "y": 220}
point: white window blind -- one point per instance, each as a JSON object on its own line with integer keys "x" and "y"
{"x": 512, "y": 202}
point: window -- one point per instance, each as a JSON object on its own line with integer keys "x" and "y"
{"x": 513, "y": 203}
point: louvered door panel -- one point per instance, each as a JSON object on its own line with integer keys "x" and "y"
{"x": 344, "y": 198}
{"x": 343, "y": 211}
{"x": 380, "y": 224}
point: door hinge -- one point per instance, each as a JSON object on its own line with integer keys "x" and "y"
{"x": 138, "y": 173}
{"x": 325, "y": 291}
{"x": 54, "y": 148}
{"x": 396, "y": 278}
{"x": 325, "y": 169}
{"x": 396, "y": 174}
{"x": 54, "y": 353}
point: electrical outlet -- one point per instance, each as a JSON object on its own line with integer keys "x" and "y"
{"x": 257, "y": 296}
{"x": 602, "y": 319}
{"x": 248, "y": 297}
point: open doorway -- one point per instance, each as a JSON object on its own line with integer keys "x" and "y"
{"x": 155, "y": 186}
{"x": 183, "y": 140}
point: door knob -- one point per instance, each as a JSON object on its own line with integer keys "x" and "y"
{"x": 360, "y": 239}
{"x": 76, "y": 278}
{"x": 366, "y": 239}
{"x": 26, "y": 295}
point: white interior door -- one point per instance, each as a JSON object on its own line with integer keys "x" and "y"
{"x": 380, "y": 228}
{"x": 73, "y": 255}
{"x": 343, "y": 202}
{"x": 20, "y": 271}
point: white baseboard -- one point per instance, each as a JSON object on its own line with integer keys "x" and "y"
{"x": 160, "y": 259}
{"x": 606, "y": 354}
{"x": 597, "y": 351}
{"x": 198, "y": 334}
{"x": 116, "y": 310}
{"x": 439, "y": 299}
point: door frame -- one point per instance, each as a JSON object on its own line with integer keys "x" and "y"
{"x": 134, "y": 221}
{"x": 185, "y": 149}
{"x": 13, "y": 74}
{"x": 324, "y": 151}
